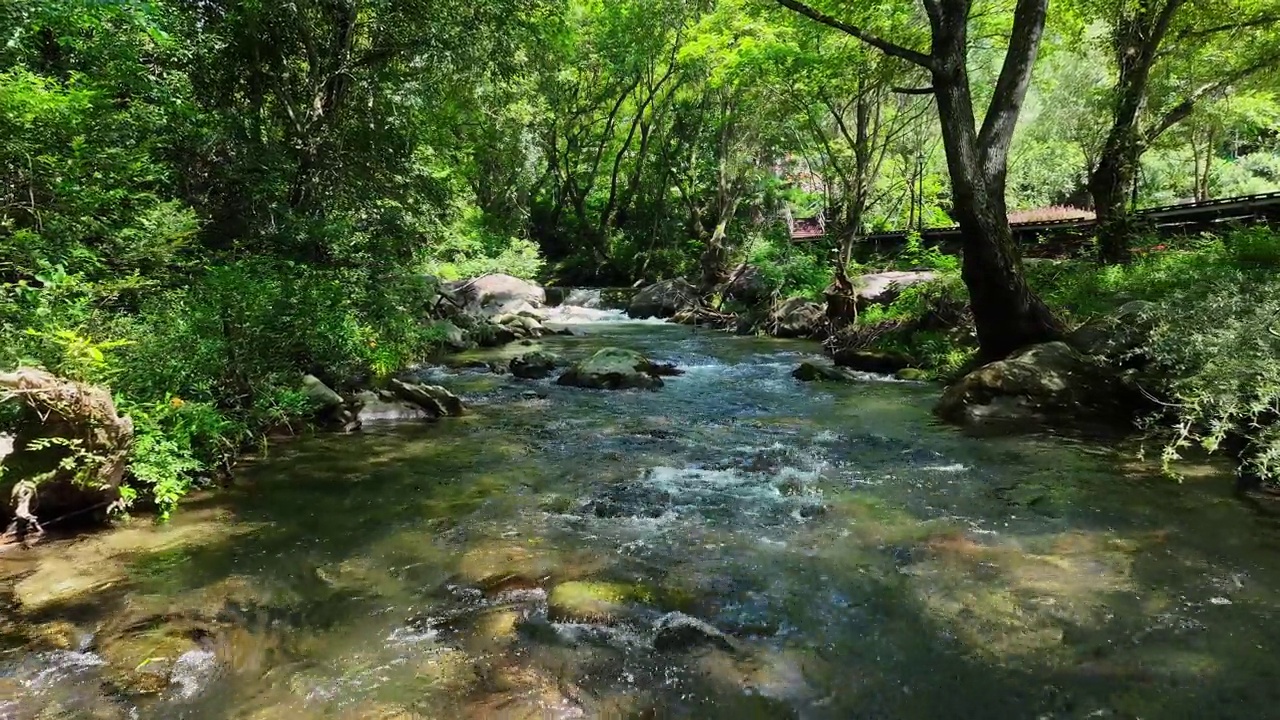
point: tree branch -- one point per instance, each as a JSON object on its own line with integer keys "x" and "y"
{"x": 1011, "y": 87}
{"x": 1183, "y": 110}
{"x": 892, "y": 49}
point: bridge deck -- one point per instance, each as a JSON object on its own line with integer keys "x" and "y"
{"x": 1263, "y": 206}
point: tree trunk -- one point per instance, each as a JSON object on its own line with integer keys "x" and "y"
{"x": 1007, "y": 314}
{"x": 1109, "y": 185}
{"x": 1135, "y": 38}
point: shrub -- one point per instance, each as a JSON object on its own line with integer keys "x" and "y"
{"x": 1216, "y": 349}
{"x": 791, "y": 270}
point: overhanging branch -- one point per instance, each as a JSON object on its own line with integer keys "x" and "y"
{"x": 888, "y": 48}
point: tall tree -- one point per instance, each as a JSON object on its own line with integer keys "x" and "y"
{"x": 1171, "y": 57}
{"x": 1007, "y": 313}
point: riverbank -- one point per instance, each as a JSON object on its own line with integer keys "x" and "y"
{"x": 433, "y": 570}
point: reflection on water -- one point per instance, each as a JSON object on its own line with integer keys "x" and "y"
{"x": 562, "y": 553}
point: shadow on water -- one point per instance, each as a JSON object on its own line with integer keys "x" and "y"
{"x": 864, "y": 561}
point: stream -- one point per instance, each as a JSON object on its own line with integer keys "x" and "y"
{"x": 861, "y": 561}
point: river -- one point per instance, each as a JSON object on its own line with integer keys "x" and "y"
{"x": 862, "y": 561}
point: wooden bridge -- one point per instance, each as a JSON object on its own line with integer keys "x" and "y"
{"x": 1167, "y": 220}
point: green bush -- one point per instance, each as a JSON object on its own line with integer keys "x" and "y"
{"x": 791, "y": 270}
{"x": 1215, "y": 352}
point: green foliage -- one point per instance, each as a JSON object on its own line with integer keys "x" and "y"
{"x": 790, "y": 270}
{"x": 1216, "y": 347}
{"x": 916, "y": 255}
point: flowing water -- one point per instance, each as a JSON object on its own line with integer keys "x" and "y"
{"x": 861, "y": 560}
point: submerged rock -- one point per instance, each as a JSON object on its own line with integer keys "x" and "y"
{"x": 534, "y": 365}
{"x": 591, "y": 602}
{"x": 1038, "y": 383}
{"x": 817, "y": 372}
{"x": 663, "y": 299}
{"x": 677, "y": 631}
{"x": 798, "y": 318}
{"x": 435, "y": 400}
{"x": 615, "y": 369}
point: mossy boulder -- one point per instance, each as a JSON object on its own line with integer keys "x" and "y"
{"x": 594, "y": 602}
{"x": 616, "y": 369}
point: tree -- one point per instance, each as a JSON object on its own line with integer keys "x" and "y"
{"x": 1007, "y": 313}
{"x": 1171, "y": 57}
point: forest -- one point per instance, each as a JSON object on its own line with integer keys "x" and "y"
{"x": 201, "y": 201}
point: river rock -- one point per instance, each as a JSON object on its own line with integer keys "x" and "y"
{"x": 373, "y": 407}
{"x": 663, "y": 299}
{"x": 798, "y": 318}
{"x": 435, "y": 400}
{"x": 818, "y": 372}
{"x": 677, "y": 631}
{"x": 521, "y": 325}
{"x": 883, "y": 362}
{"x": 140, "y": 663}
{"x": 883, "y": 288}
{"x": 534, "y": 365}
{"x": 489, "y": 335}
{"x": 615, "y": 369}
{"x": 1038, "y": 383}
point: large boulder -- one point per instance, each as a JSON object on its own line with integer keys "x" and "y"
{"x": 798, "y": 318}
{"x": 663, "y": 299}
{"x": 616, "y": 369}
{"x": 883, "y": 288}
{"x": 534, "y": 365}
{"x": 434, "y": 400}
{"x": 748, "y": 285}
{"x": 1046, "y": 382}
{"x": 497, "y": 294}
